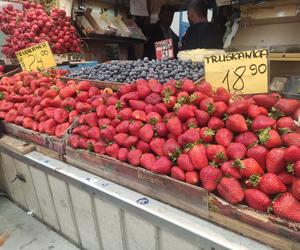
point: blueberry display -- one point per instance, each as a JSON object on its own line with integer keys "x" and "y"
{"x": 130, "y": 71}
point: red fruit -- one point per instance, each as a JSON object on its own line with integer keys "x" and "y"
{"x": 185, "y": 162}
{"x": 146, "y": 133}
{"x": 125, "y": 113}
{"x": 265, "y": 100}
{"x": 198, "y": 156}
{"x": 197, "y": 97}
{"x": 111, "y": 112}
{"x": 82, "y": 107}
{"x": 286, "y": 178}
{"x": 222, "y": 95}
{"x": 134, "y": 157}
{"x": 258, "y": 153}
{"x": 262, "y": 122}
{"x": 156, "y": 145}
{"x": 123, "y": 127}
{"x": 185, "y": 112}
{"x": 143, "y": 90}
{"x": 286, "y": 124}
{"x": 296, "y": 169}
{"x": 257, "y": 200}
{"x": 91, "y": 119}
{"x": 139, "y": 115}
{"x": 174, "y": 126}
{"x": 83, "y": 85}
{"x": 236, "y": 151}
{"x": 135, "y": 127}
{"x": 149, "y": 108}
{"x": 291, "y": 139}
{"x": 120, "y": 138}
{"x": 82, "y": 96}
{"x": 113, "y": 150}
{"x": 82, "y": 130}
{"x": 239, "y": 106}
{"x": 49, "y": 126}
{"x": 229, "y": 170}
{"x": 270, "y": 138}
{"x": 192, "y": 177}
{"x": 137, "y": 105}
{"x": 171, "y": 147}
{"x": 11, "y": 116}
{"x": 108, "y": 133}
{"x": 220, "y": 109}
{"x": 248, "y": 167}
{"x": 67, "y": 92}
{"x": 143, "y": 146}
{"x": 153, "y": 98}
{"x": 207, "y": 134}
{"x": 161, "y": 108}
{"x": 207, "y": 105}
{"x": 236, "y": 123}
{"x": 99, "y": 147}
{"x": 27, "y": 112}
{"x": 292, "y": 154}
{"x": 247, "y": 138}
{"x": 162, "y": 166}
{"x": 161, "y": 129}
{"x": 131, "y": 141}
{"x": 188, "y": 86}
{"x": 210, "y": 177}
{"x": 215, "y": 123}
{"x": 177, "y": 173}
{"x": 61, "y": 129}
{"x": 287, "y": 106}
{"x": 73, "y": 141}
{"x": 168, "y": 90}
{"x": 190, "y": 136}
{"x": 122, "y": 155}
{"x": 271, "y": 184}
{"x": 202, "y": 117}
{"x": 296, "y": 189}
{"x": 224, "y": 137}
{"x": 216, "y": 153}
{"x": 230, "y": 189}
{"x": 153, "y": 118}
{"x": 254, "y": 111}
{"x": 100, "y": 111}
{"x": 115, "y": 122}
{"x": 275, "y": 160}
{"x": 155, "y": 86}
{"x": 287, "y": 207}
{"x": 147, "y": 161}
{"x": 170, "y": 101}
{"x": 94, "y": 133}
{"x": 129, "y": 96}
{"x": 204, "y": 88}
{"x": 103, "y": 122}
{"x": 125, "y": 89}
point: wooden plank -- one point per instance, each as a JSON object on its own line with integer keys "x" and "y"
{"x": 49, "y": 152}
{"x": 63, "y": 205}
{"x": 82, "y": 205}
{"x": 44, "y": 197}
{"x": 17, "y": 145}
{"x": 28, "y": 188}
{"x": 108, "y": 216}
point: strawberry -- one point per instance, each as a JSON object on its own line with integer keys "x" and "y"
{"x": 94, "y": 133}
{"x": 192, "y": 177}
{"x": 90, "y": 119}
{"x": 224, "y": 137}
{"x": 139, "y": 115}
{"x": 149, "y": 108}
{"x": 134, "y": 157}
{"x": 120, "y": 138}
{"x": 113, "y": 150}
{"x": 205, "y": 88}
{"x": 248, "y": 167}
{"x": 83, "y": 85}
{"x": 93, "y": 91}
{"x": 239, "y": 106}
{"x": 271, "y": 184}
{"x": 190, "y": 136}
{"x": 153, "y": 98}
{"x": 265, "y": 100}
{"x": 257, "y": 199}
{"x": 207, "y": 105}
{"x": 143, "y": 90}
{"x": 147, "y": 161}
{"x": 236, "y": 123}
{"x": 11, "y": 116}
{"x": 156, "y": 145}
{"x": 229, "y": 170}
{"x": 287, "y": 207}
{"x": 292, "y": 154}
{"x": 170, "y": 101}
{"x": 188, "y": 86}
{"x": 161, "y": 129}
{"x": 286, "y": 178}
{"x": 222, "y": 95}
{"x": 130, "y": 141}
{"x": 220, "y": 109}
{"x": 49, "y": 126}
{"x": 287, "y": 106}
{"x": 254, "y": 111}
{"x": 82, "y": 96}
{"x": 137, "y": 105}
{"x": 67, "y": 92}
{"x": 177, "y": 173}
{"x": 111, "y": 112}
{"x": 215, "y": 123}
{"x": 146, "y": 133}
{"x": 174, "y": 126}
{"x": 230, "y": 189}
{"x": 270, "y": 138}
{"x": 103, "y": 122}
{"x": 27, "y": 112}
{"x": 129, "y": 96}
{"x": 60, "y": 130}
{"x": 134, "y": 127}
{"x": 161, "y": 108}
{"x": 155, "y": 86}
{"x": 185, "y": 112}
{"x": 153, "y": 118}
{"x": 182, "y": 97}
{"x": 296, "y": 169}
{"x": 143, "y": 146}
{"x": 192, "y": 123}
{"x": 100, "y": 111}
{"x": 168, "y": 90}
{"x": 123, "y": 154}
{"x": 216, "y": 153}
{"x": 125, "y": 113}
{"x": 275, "y": 160}
{"x": 261, "y": 122}
{"x": 291, "y": 139}
{"x": 108, "y": 133}
{"x": 73, "y": 141}
{"x": 247, "y": 138}
{"x": 296, "y": 189}
{"x": 185, "y": 162}
{"x": 83, "y": 144}
{"x": 286, "y": 124}
{"x": 19, "y": 120}
{"x": 83, "y": 131}
{"x": 202, "y": 117}
{"x": 123, "y": 127}
{"x": 126, "y": 88}
{"x": 207, "y": 134}
{"x": 197, "y": 97}
{"x": 162, "y": 166}
{"x": 198, "y": 156}
{"x": 171, "y": 147}
{"x": 83, "y": 107}
{"x": 236, "y": 151}
{"x": 210, "y": 177}
{"x": 258, "y": 153}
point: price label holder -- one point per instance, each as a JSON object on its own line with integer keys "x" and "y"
{"x": 164, "y": 49}
{"x": 37, "y": 57}
{"x": 243, "y": 72}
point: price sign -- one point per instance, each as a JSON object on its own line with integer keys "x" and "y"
{"x": 164, "y": 49}
{"x": 37, "y": 57}
{"x": 244, "y": 72}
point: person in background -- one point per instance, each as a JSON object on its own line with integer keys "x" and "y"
{"x": 201, "y": 34}
{"x": 161, "y": 31}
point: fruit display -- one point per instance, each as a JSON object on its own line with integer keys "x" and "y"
{"x": 130, "y": 71}
{"x": 33, "y": 25}
{"x": 245, "y": 149}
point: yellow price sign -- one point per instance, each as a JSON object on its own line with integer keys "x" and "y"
{"x": 244, "y": 72}
{"x": 37, "y": 57}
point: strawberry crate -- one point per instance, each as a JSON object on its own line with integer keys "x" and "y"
{"x": 262, "y": 227}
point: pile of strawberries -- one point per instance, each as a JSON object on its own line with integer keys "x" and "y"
{"x": 42, "y": 102}
{"x": 245, "y": 149}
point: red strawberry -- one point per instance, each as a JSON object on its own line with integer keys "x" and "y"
{"x": 292, "y": 154}
{"x": 207, "y": 134}
{"x": 125, "y": 113}
{"x": 143, "y": 146}
{"x": 139, "y": 115}
{"x": 185, "y": 112}
{"x": 258, "y": 153}
{"x": 120, "y": 138}
{"x": 161, "y": 108}
{"x": 11, "y": 116}
{"x": 197, "y": 97}
{"x": 271, "y": 184}
{"x": 222, "y": 95}
{"x": 210, "y": 177}
{"x": 171, "y": 147}
{"x": 126, "y": 88}
{"x": 207, "y": 105}
{"x": 123, "y": 127}
{"x": 67, "y": 92}
{"x": 236, "y": 151}
{"x": 123, "y": 154}
{"x": 248, "y": 167}
{"x": 229, "y": 170}
{"x": 170, "y": 101}
{"x": 82, "y": 96}
{"x": 287, "y": 207}
{"x": 291, "y": 139}
{"x": 216, "y": 153}
{"x": 239, "y": 106}
{"x": 146, "y": 133}
{"x": 129, "y": 96}
{"x": 73, "y": 141}
{"x": 155, "y": 86}
{"x": 215, "y": 123}
{"x": 275, "y": 160}
{"x": 192, "y": 177}
{"x": 161, "y": 129}
{"x": 270, "y": 138}
{"x": 91, "y": 119}
{"x": 192, "y": 123}
{"x": 168, "y": 90}
{"x": 113, "y": 150}
{"x": 254, "y": 111}
{"x": 224, "y": 137}
{"x": 137, "y": 105}
{"x": 147, "y": 161}
{"x": 188, "y": 86}
{"x": 220, "y": 109}
{"x": 262, "y": 122}
{"x": 257, "y": 200}
{"x": 174, "y": 126}
{"x": 202, "y": 117}
{"x": 162, "y": 166}
{"x": 111, "y": 112}
{"x": 236, "y": 123}
{"x": 83, "y": 85}
{"x": 134, "y": 157}
{"x": 83, "y": 131}
{"x": 205, "y": 88}
{"x": 198, "y": 156}
{"x": 287, "y": 106}
{"x": 286, "y": 178}
{"x": 156, "y": 145}
{"x": 131, "y": 141}
{"x": 177, "y": 173}
{"x": 296, "y": 169}
{"x": 286, "y": 124}
{"x": 296, "y": 189}
{"x": 83, "y": 107}
{"x": 247, "y": 138}
{"x": 49, "y": 126}
{"x": 153, "y": 118}
{"x": 94, "y": 133}
{"x": 103, "y": 122}
{"x": 230, "y": 189}
{"x": 265, "y": 100}
{"x": 100, "y": 111}
{"x": 108, "y": 133}
{"x": 185, "y": 162}
{"x": 153, "y": 98}
{"x": 190, "y": 136}
{"x": 143, "y": 90}
{"x": 149, "y": 108}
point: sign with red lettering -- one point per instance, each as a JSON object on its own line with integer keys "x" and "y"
{"x": 164, "y": 49}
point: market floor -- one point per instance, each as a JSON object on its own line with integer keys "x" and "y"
{"x": 25, "y": 232}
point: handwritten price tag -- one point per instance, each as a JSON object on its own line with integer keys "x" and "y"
{"x": 37, "y": 57}
{"x": 164, "y": 49}
{"x": 244, "y": 72}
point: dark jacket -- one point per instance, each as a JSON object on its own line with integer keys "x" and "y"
{"x": 154, "y": 34}
{"x": 203, "y": 36}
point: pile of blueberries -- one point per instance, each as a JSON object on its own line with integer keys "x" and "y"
{"x": 130, "y": 71}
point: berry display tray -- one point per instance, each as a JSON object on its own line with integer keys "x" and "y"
{"x": 262, "y": 227}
